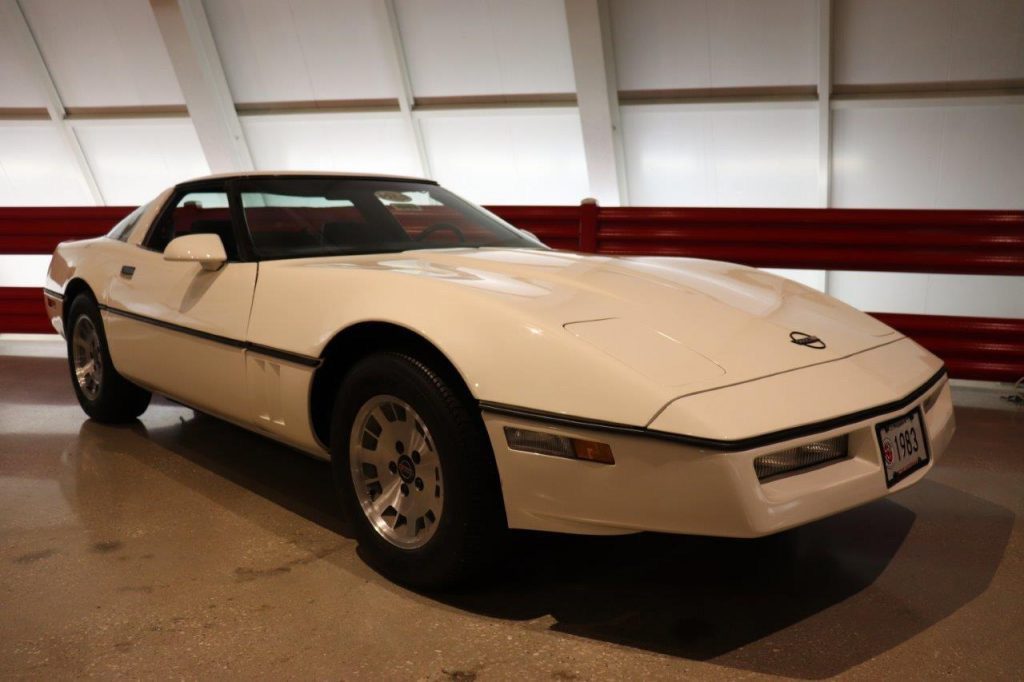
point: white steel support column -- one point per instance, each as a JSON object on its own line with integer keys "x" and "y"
{"x": 12, "y": 15}
{"x": 189, "y": 42}
{"x": 400, "y": 67}
{"x": 597, "y": 96}
{"x": 824, "y": 103}
{"x": 825, "y": 113}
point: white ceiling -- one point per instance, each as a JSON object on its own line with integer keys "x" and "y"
{"x": 103, "y": 53}
{"x": 486, "y": 47}
{"x": 323, "y": 50}
{"x": 730, "y": 43}
{"x": 18, "y": 85}
{"x": 911, "y": 41}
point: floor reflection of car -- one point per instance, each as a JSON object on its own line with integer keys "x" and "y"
{"x": 463, "y": 378}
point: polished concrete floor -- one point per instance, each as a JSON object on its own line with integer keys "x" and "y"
{"x": 184, "y": 547}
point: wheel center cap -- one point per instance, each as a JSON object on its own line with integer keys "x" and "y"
{"x": 406, "y": 469}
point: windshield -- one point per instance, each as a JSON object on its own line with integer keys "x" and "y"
{"x": 305, "y": 217}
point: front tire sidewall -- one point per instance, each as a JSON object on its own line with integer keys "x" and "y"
{"x": 117, "y": 400}
{"x": 460, "y": 542}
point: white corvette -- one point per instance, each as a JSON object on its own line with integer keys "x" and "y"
{"x": 463, "y": 378}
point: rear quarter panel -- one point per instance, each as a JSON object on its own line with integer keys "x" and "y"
{"x": 95, "y": 261}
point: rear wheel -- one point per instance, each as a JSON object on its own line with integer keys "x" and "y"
{"x": 105, "y": 395}
{"x": 416, "y": 472}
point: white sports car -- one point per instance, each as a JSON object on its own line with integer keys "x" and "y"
{"x": 463, "y": 378}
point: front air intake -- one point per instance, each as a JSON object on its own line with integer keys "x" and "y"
{"x": 803, "y": 457}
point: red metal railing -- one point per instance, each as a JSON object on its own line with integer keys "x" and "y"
{"x": 986, "y": 348}
{"x": 955, "y": 242}
{"x": 39, "y": 230}
{"x": 22, "y": 311}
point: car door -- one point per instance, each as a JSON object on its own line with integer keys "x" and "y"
{"x": 175, "y": 327}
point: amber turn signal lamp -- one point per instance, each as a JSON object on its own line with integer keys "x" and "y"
{"x": 558, "y": 446}
{"x": 592, "y": 451}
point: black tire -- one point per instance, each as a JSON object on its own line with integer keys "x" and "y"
{"x": 113, "y": 398}
{"x": 472, "y": 523}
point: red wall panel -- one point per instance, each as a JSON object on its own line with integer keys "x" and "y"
{"x": 556, "y": 226}
{"x": 39, "y": 230}
{"x": 957, "y": 242}
{"x": 22, "y": 311}
{"x": 985, "y": 348}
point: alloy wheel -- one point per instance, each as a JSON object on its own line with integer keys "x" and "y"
{"x": 396, "y": 471}
{"x": 87, "y": 357}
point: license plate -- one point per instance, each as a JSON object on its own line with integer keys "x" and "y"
{"x": 904, "y": 446}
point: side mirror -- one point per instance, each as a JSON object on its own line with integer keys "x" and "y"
{"x": 205, "y": 249}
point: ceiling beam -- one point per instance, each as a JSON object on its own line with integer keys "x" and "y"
{"x": 597, "y": 95}
{"x": 400, "y": 68}
{"x": 12, "y": 15}
{"x": 186, "y": 34}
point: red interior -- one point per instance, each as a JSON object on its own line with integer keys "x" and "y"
{"x": 285, "y": 220}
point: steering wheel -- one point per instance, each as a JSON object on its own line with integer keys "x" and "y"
{"x": 440, "y": 227}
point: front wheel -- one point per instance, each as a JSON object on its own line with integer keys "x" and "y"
{"x": 416, "y": 472}
{"x": 105, "y": 395}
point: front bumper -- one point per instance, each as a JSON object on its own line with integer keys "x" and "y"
{"x": 660, "y": 485}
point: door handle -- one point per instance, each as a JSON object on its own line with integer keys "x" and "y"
{"x": 127, "y": 271}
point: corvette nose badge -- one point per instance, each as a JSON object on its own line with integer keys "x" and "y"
{"x": 801, "y": 339}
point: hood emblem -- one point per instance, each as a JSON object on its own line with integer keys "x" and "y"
{"x": 801, "y": 339}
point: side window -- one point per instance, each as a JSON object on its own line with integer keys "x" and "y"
{"x": 124, "y": 228}
{"x": 200, "y": 212}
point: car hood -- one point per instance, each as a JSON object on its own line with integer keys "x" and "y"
{"x": 683, "y": 323}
